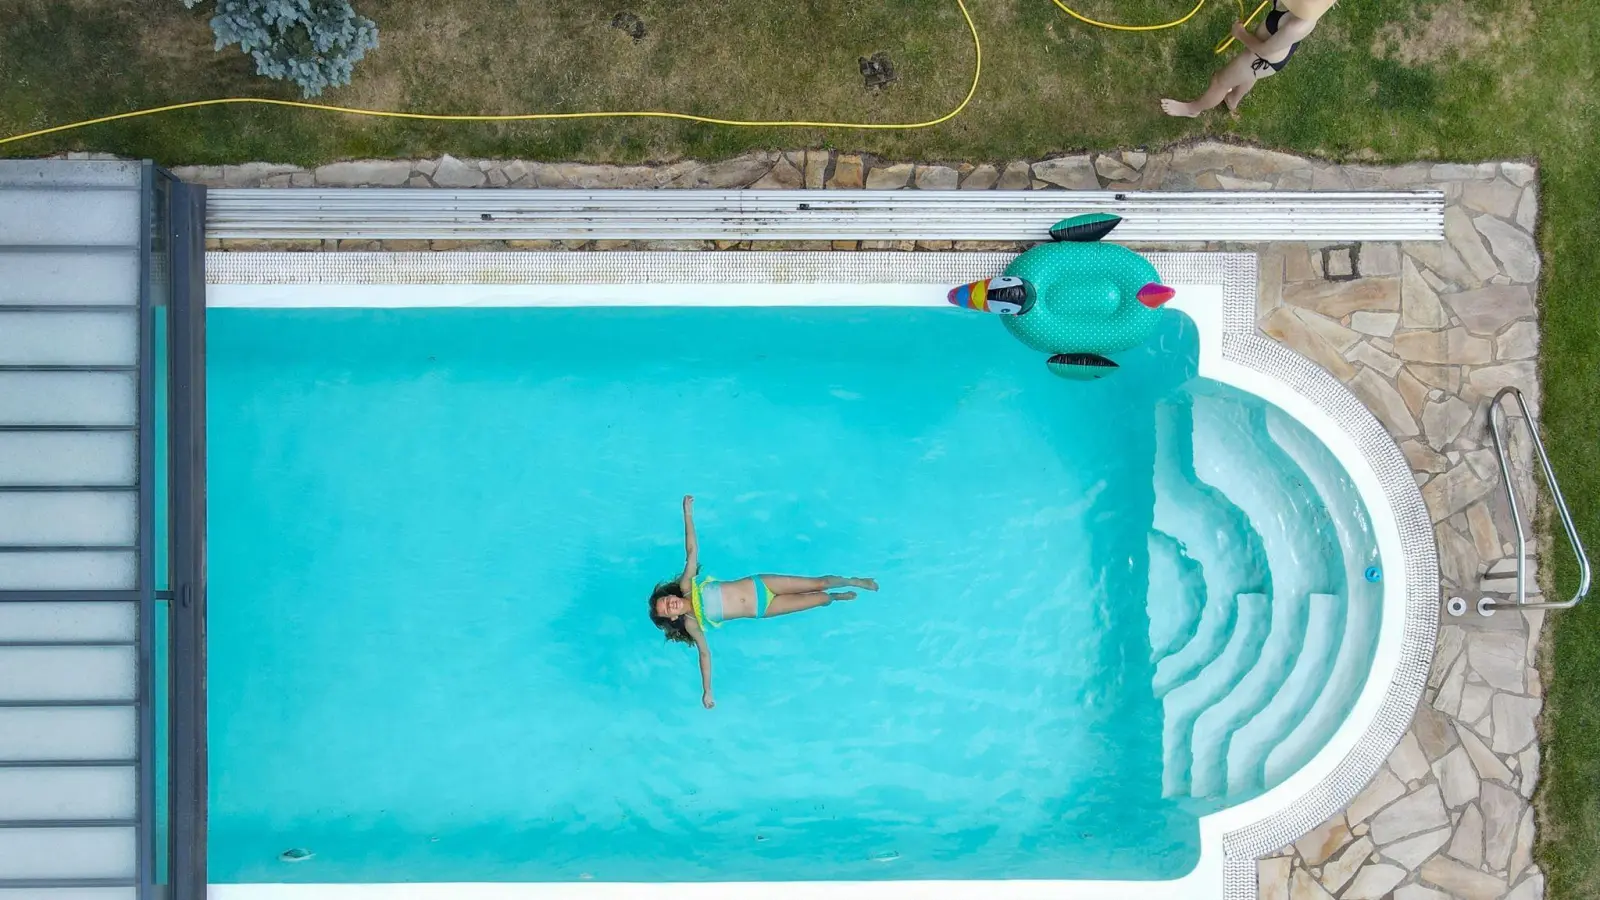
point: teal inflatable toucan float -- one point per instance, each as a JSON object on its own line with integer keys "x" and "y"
{"x": 1075, "y": 299}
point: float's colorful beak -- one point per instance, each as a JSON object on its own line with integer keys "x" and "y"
{"x": 971, "y": 296}
{"x": 1154, "y": 294}
{"x": 1007, "y": 295}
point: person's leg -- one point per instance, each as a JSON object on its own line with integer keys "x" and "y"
{"x": 1229, "y": 77}
{"x": 794, "y": 584}
{"x": 1240, "y": 90}
{"x": 1232, "y": 100}
{"x": 783, "y": 604}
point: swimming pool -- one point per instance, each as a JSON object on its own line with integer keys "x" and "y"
{"x": 1112, "y": 613}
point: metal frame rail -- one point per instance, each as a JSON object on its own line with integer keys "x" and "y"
{"x": 784, "y": 215}
{"x": 1497, "y": 420}
{"x": 186, "y": 845}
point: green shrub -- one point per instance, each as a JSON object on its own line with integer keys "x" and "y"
{"x": 313, "y": 43}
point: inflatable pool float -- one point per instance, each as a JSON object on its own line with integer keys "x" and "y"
{"x": 1076, "y": 299}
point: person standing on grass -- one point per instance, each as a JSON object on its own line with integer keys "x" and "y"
{"x": 1266, "y": 52}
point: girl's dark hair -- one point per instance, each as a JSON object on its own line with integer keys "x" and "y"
{"x": 672, "y": 628}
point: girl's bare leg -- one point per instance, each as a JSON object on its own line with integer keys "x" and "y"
{"x": 1239, "y": 91}
{"x": 1229, "y": 78}
{"x": 1235, "y": 96}
{"x": 793, "y": 584}
{"x": 783, "y": 604}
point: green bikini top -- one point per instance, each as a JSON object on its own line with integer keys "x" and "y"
{"x": 695, "y": 605}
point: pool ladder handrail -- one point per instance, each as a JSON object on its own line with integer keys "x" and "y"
{"x": 1497, "y": 420}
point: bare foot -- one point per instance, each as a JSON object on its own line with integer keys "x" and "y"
{"x": 865, "y": 583}
{"x": 844, "y": 595}
{"x": 1179, "y": 108}
{"x": 1233, "y": 111}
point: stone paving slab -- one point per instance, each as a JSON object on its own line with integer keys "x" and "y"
{"x": 1424, "y": 333}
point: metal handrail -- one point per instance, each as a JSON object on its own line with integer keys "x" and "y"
{"x": 1496, "y": 423}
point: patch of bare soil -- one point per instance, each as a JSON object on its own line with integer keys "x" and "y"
{"x": 1448, "y": 30}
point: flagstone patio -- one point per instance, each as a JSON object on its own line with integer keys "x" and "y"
{"x": 1424, "y": 333}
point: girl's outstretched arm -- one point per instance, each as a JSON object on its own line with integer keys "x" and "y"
{"x": 704, "y": 650}
{"x": 691, "y": 548}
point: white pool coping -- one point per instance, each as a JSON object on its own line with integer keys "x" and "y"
{"x": 1216, "y": 290}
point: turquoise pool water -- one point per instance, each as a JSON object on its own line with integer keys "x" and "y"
{"x": 433, "y": 533}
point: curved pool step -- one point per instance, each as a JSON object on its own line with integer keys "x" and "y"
{"x": 1215, "y": 727}
{"x": 1175, "y": 596}
{"x": 1212, "y": 532}
{"x": 1338, "y": 691}
{"x": 1255, "y": 739}
{"x": 1315, "y": 694}
{"x": 1333, "y": 486}
{"x": 1211, "y": 640}
{"x": 1234, "y": 456}
{"x": 1185, "y": 702}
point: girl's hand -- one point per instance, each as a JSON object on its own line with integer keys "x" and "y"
{"x": 706, "y": 701}
{"x": 688, "y": 502}
{"x": 1241, "y": 33}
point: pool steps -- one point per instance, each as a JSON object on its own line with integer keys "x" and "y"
{"x": 1296, "y": 695}
{"x": 1349, "y": 672}
{"x": 1271, "y": 490}
{"x": 1177, "y": 595}
{"x": 1185, "y": 703}
{"x": 1345, "y": 508}
{"x": 1266, "y": 675}
{"x": 1217, "y": 624}
{"x": 1213, "y": 534}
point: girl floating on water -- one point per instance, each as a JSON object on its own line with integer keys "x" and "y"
{"x": 684, "y": 607}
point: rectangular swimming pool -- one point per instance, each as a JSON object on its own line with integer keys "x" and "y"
{"x": 1108, "y": 609}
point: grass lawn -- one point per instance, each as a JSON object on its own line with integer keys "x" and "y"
{"x": 1430, "y": 79}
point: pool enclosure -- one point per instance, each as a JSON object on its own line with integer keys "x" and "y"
{"x": 102, "y": 531}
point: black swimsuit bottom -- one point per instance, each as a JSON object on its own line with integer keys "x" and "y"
{"x": 1273, "y": 19}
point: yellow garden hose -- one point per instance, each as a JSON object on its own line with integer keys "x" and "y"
{"x": 1222, "y": 45}
{"x": 972, "y": 90}
{"x": 1244, "y": 20}
{"x": 1116, "y": 27}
